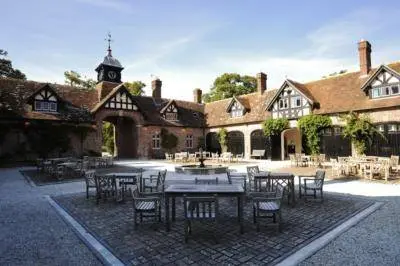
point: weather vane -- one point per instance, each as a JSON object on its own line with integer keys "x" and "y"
{"x": 109, "y": 40}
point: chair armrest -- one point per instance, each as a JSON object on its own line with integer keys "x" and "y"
{"x": 147, "y": 194}
{"x": 262, "y": 194}
{"x": 149, "y": 199}
{"x": 267, "y": 199}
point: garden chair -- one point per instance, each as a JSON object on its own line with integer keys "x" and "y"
{"x": 169, "y": 156}
{"x": 200, "y": 209}
{"x": 145, "y": 205}
{"x": 268, "y": 205}
{"x": 314, "y": 183}
{"x": 293, "y": 161}
{"x": 394, "y": 164}
{"x": 208, "y": 181}
{"x": 236, "y": 178}
{"x": 105, "y": 187}
{"x": 90, "y": 181}
{"x": 155, "y": 182}
{"x": 251, "y": 170}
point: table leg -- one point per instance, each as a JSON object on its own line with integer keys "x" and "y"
{"x": 292, "y": 194}
{"x": 241, "y": 201}
{"x": 167, "y": 225}
{"x": 173, "y": 208}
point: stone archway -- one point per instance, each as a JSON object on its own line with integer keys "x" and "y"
{"x": 212, "y": 143}
{"x": 258, "y": 141}
{"x": 125, "y": 136}
{"x": 290, "y": 142}
{"x": 235, "y": 142}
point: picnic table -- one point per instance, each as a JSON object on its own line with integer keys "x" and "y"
{"x": 228, "y": 190}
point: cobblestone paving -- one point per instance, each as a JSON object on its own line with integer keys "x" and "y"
{"x": 150, "y": 244}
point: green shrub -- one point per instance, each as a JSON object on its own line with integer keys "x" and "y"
{"x": 311, "y": 126}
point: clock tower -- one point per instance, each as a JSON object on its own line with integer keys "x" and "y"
{"x": 110, "y": 69}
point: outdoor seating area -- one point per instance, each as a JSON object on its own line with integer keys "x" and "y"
{"x": 186, "y": 157}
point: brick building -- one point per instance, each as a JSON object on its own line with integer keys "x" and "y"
{"x": 138, "y": 120}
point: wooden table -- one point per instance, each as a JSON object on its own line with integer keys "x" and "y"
{"x": 271, "y": 179}
{"x": 125, "y": 178}
{"x": 229, "y": 190}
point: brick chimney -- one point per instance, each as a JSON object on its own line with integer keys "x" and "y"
{"x": 197, "y": 93}
{"x": 156, "y": 88}
{"x": 364, "y": 52}
{"x": 261, "y": 82}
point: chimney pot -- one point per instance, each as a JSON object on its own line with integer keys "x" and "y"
{"x": 156, "y": 88}
{"x": 261, "y": 82}
{"x": 197, "y": 93}
{"x": 364, "y": 52}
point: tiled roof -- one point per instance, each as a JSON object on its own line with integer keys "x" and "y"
{"x": 343, "y": 93}
{"x": 255, "y": 103}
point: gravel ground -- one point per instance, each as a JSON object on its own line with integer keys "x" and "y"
{"x": 31, "y": 232}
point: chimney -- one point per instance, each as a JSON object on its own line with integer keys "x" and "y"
{"x": 156, "y": 88}
{"x": 261, "y": 82}
{"x": 364, "y": 52}
{"x": 197, "y": 95}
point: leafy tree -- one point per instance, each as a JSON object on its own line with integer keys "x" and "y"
{"x": 360, "y": 130}
{"x": 75, "y": 79}
{"x": 7, "y": 70}
{"x": 108, "y": 137}
{"x": 135, "y": 87}
{"x": 168, "y": 140}
{"x": 311, "y": 125}
{"x": 230, "y": 84}
{"x": 274, "y": 127}
{"x": 223, "y": 139}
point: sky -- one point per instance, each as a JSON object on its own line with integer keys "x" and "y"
{"x": 187, "y": 44}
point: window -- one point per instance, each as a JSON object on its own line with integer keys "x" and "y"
{"x": 327, "y": 131}
{"x": 380, "y": 128}
{"x": 384, "y": 91}
{"x": 189, "y": 141}
{"x": 338, "y": 130}
{"x": 296, "y": 101}
{"x": 283, "y": 103}
{"x": 171, "y": 116}
{"x": 45, "y": 106}
{"x": 236, "y": 110}
{"x": 156, "y": 141}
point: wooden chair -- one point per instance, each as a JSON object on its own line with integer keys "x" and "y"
{"x": 313, "y": 183}
{"x": 90, "y": 181}
{"x": 200, "y": 209}
{"x": 105, "y": 187}
{"x": 236, "y": 178}
{"x": 145, "y": 205}
{"x": 293, "y": 161}
{"x": 208, "y": 181}
{"x": 394, "y": 164}
{"x": 251, "y": 170}
{"x": 268, "y": 205}
{"x": 155, "y": 182}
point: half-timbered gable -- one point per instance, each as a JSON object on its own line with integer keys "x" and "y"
{"x": 385, "y": 82}
{"x": 170, "y": 111}
{"x": 45, "y": 100}
{"x": 235, "y": 108}
{"x": 290, "y": 102}
{"x": 122, "y": 100}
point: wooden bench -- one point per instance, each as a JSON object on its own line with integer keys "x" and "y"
{"x": 258, "y": 153}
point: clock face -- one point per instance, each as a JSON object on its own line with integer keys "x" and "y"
{"x": 112, "y": 74}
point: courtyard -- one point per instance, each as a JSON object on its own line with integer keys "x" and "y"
{"x": 37, "y": 234}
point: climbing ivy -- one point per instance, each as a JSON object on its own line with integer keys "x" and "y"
{"x": 274, "y": 127}
{"x": 360, "y": 130}
{"x": 222, "y": 139}
{"x": 311, "y": 126}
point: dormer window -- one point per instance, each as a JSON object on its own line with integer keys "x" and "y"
{"x": 283, "y": 103}
{"x": 237, "y": 110}
{"x": 45, "y": 101}
{"x": 385, "y": 91}
{"x": 171, "y": 113}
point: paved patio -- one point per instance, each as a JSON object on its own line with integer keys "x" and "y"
{"x": 112, "y": 223}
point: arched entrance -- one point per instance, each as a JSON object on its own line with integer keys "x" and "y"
{"x": 212, "y": 143}
{"x": 290, "y": 142}
{"x": 235, "y": 142}
{"x": 125, "y": 136}
{"x": 258, "y": 141}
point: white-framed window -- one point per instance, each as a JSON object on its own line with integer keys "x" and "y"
{"x": 296, "y": 101}
{"x": 156, "y": 141}
{"x": 189, "y": 141}
{"x": 327, "y": 131}
{"x": 45, "y": 106}
{"x": 236, "y": 110}
{"x": 385, "y": 91}
{"x": 338, "y": 131}
{"x": 171, "y": 116}
{"x": 380, "y": 128}
{"x": 283, "y": 103}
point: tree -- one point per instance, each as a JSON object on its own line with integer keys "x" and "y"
{"x": 230, "y": 84}
{"x": 168, "y": 140}
{"x": 223, "y": 139}
{"x": 360, "y": 130}
{"x": 135, "y": 87}
{"x": 108, "y": 137}
{"x": 274, "y": 127}
{"x": 7, "y": 70}
{"x": 311, "y": 125}
{"x": 74, "y": 79}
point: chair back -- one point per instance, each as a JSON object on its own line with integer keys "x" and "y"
{"x": 208, "y": 181}
{"x": 320, "y": 177}
{"x": 394, "y": 160}
{"x": 251, "y": 170}
{"x": 228, "y": 175}
{"x": 103, "y": 183}
{"x": 279, "y": 191}
{"x": 201, "y": 208}
{"x": 90, "y": 177}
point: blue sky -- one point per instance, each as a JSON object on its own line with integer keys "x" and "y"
{"x": 189, "y": 43}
